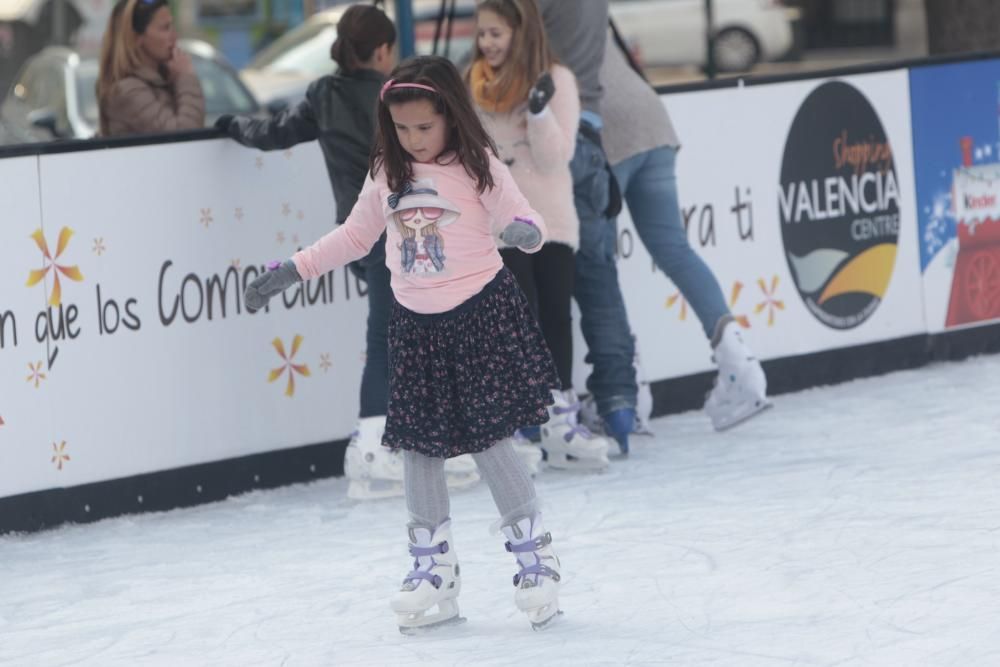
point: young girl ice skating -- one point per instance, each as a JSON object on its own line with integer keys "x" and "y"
{"x": 531, "y": 108}
{"x": 339, "y": 112}
{"x": 468, "y": 365}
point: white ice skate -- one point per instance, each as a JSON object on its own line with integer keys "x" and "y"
{"x": 428, "y": 597}
{"x": 740, "y": 390}
{"x": 570, "y": 445}
{"x": 375, "y": 471}
{"x": 537, "y": 581}
{"x": 527, "y": 451}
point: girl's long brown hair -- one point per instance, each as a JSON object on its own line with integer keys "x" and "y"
{"x": 530, "y": 54}
{"x": 467, "y": 141}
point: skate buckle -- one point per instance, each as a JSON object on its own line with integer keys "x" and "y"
{"x": 434, "y": 579}
{"x": 537, "y": 569}
{"x": 531, "y": 545}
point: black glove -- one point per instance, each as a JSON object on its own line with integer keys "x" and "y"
{"x": 223, "y": 122}
{"x": 278, "y": 277}
{"x": 541, "y": 93}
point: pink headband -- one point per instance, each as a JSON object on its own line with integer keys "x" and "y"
{"x": 391, "y": 83}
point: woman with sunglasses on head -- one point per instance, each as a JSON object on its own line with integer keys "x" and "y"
{"x": 146, "y": 84}
{"x": 339, "y": 112}
{"x": 530, "y": 106}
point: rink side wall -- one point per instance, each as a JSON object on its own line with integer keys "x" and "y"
{"x": 849, "y": 223}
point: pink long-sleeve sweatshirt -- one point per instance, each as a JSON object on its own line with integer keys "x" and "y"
{"x": 440, "y": 237}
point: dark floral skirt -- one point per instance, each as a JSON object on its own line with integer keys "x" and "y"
{"x": 460, "y": 381}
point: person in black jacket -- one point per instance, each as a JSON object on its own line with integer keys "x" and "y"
{"x": 339, "y": 112}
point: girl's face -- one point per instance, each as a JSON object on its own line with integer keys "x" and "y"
{"x": 494, "y": 36}
{"x": 422, "y": 131}
{"x": 160, "y": 38}
{"x": 419, "y": 218}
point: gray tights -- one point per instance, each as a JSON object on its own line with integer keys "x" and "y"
{"x": 501, "y": 467}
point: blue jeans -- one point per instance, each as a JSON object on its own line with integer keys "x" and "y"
{"x": 603, "y": 320}
{"x": 649, "y": 185}
{"x": 375, "y": 376}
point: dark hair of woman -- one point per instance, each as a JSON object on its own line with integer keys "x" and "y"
{"x": 360, "y": 30}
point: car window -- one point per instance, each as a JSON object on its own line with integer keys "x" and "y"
{"x": 28, "y": 87}
{"x": 306, "y": 48}
{"x": 311, "y": 56}
{"x": 86, "y": 92}
{"x": 223, "y": 91}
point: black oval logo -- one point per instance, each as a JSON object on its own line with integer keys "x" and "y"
{"x": 839, "y": 205}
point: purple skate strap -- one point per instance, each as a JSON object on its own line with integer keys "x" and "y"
{"x": 429, "y": 551}
{"x": 538, "y": 570}
{"x": 434, "y": 579}
{"x": 576, "y": 429}
{"x": 530, "y": 545}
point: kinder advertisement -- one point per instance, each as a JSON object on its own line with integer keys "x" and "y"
{"x": 125, "y": 346}
{"x": 802, "y": 205}
{"x": 956, "y": 130}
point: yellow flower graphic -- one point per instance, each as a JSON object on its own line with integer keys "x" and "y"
{"x": 772, "y": 304}
{"x": 36, "y": 373}
{"x": 71, "y": 272}
{"x": 59, "y": 455}
{"x": 292, "y": 369}
{"x": 672, "y": 299}
{"x": 734, "y": 296}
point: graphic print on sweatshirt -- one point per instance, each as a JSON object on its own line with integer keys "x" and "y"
{"x": 419, "y": 213}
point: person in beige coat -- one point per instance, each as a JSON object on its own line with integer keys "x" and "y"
{"x": 146, "y": 84}
{"x": 530, "y": 106}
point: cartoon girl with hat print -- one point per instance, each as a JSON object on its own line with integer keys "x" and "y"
{"x": 419, "y": 212}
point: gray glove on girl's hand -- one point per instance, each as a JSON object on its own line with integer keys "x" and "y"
{"x": 541, "y": 93}
{"x": 522, "y": 233}
{"x": 278, "y": 277}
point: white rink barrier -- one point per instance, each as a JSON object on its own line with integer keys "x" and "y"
{"x": 125, "y": 350}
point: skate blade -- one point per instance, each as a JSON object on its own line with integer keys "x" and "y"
{"x": 367, "y": 489}
{"x": 573, "y": 464}
{"x": 542, "y": 625}
{"x": 417, "y": 630}
{"x": 749, "y": 412}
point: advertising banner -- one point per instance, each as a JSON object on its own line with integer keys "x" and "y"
{"x": 24, "y": 329}
{"x": 800, "y": 198}
{"x": 956, "y": 148}
{"x": 134, "y": 351}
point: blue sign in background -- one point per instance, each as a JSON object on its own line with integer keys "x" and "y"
{"x": 950, "y": 102}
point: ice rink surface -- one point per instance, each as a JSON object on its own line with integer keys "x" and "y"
{"x": 851, "y": 525}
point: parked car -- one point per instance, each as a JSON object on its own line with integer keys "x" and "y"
{"x": 55, "y": 96}
{"x": 281, "y": 72}
{"x": 672, "y": 32}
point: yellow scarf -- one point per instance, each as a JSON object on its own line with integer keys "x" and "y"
{"x": 483, "y": 81}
